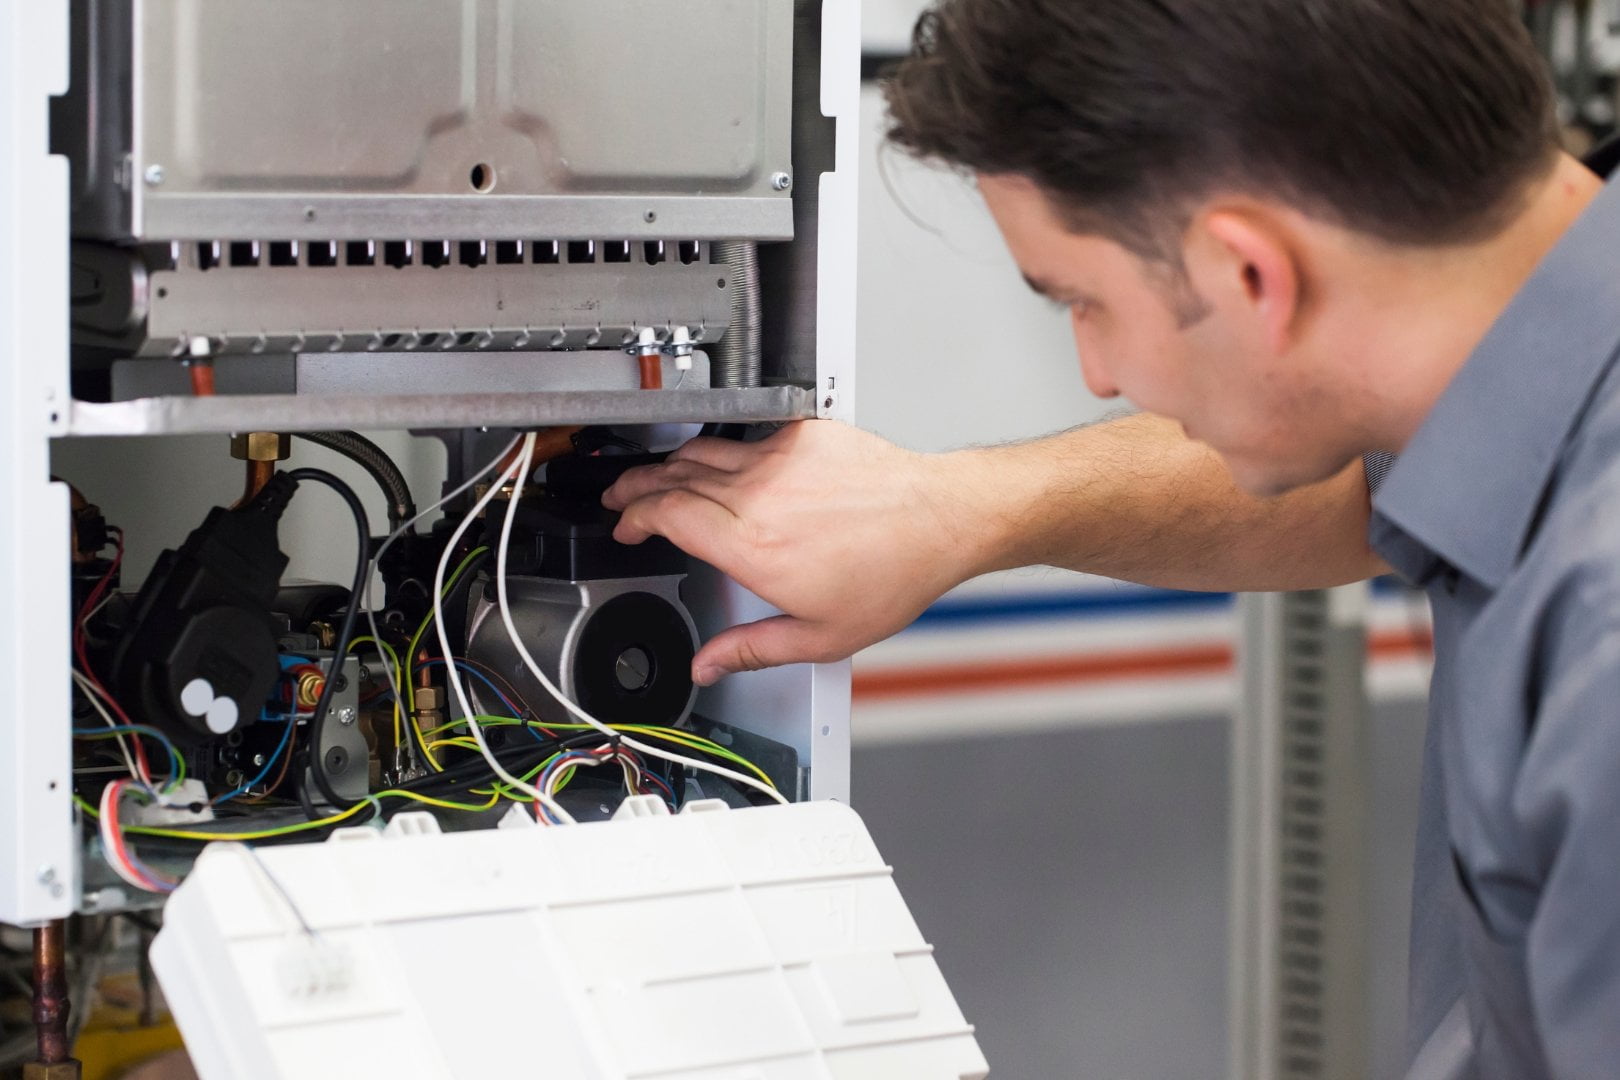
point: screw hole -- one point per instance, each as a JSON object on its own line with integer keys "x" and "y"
{"x": 482, "y": 177}
{"x": 650, "y": 216}
{"x": 720, "y": 284}
{"x": 826, "y": 729}
{"x": 53, "y": 785}
{"x": 163, "y": 293}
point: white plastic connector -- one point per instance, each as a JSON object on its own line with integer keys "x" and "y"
{"x": 200, "y": 347}
{"x": 517, "y": 818}
{"x": 641, "y": 806}
{"x": 175, "y": 807}
{"x": 680, "y": 346}
{"x": 647, "y": 343}
{"x": 311, "y": 968}
{"x": 412, "y": 823}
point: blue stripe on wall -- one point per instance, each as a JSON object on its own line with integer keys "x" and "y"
{"x": 960, "y": 611}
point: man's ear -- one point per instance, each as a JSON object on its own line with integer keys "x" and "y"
{"x": 1245, "y": 262}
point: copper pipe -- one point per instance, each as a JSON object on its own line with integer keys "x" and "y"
{"x": 549, "y": 443}
{"x": 51, "y": 1005}
{"x": 202, "y": 377}
{"x": 424, "y": 677}
{"x": 258, "y": 475}
{"x": 652, "y": 371}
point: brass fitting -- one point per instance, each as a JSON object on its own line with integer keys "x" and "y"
{"x": 62, "y": 1070}
{"x": 261, "y": 446}
{"x": 429, "y": 707}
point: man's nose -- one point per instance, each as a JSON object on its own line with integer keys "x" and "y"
{"x": 1095, "y": 373}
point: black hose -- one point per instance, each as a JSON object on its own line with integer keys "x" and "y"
{"x": 345, "y": 634}
{"x": 372, "y": 458}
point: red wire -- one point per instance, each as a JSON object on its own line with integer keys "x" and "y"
{"x": 81, "y": 652}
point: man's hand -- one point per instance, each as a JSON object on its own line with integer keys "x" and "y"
{"x": 851, "y": 535}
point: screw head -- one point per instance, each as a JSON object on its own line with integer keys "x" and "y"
{"x": 258, "y": 759}
{"x": 345, "y": 715}
{"x": 781, "y": 181}
{"x": 47, "y": 874}
{"x": 153, "y": 175}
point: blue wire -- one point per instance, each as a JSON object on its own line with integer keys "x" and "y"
{"x": 517, "y": 713}
{"x": 139, "y": 729}
{"x": 286, "y": 737}
{"x": 669, "y": 789}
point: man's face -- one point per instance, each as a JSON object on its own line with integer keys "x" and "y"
{"x": 1161, "y": 343}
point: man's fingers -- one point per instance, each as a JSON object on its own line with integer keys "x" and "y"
{"x": 727, "y": 454}
{"x": 752, "y": 646}
{"x": 697, "y": 525}
{"x": 648, "y": 480}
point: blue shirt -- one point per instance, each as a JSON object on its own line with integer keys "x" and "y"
{"x": 1505, "y": 508}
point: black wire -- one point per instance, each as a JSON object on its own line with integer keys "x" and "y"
{"x": 340, "y": 649}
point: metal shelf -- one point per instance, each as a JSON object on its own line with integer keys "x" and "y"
{"x": 292, "y": 412}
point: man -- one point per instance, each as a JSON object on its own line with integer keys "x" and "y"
{"x": 1302, "y": 232}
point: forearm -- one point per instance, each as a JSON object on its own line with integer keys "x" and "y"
{"x": 1135, "y": 499}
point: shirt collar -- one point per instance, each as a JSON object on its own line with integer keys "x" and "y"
{"x": 1467, "y": 487}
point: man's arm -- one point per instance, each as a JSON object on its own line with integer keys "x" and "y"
{"x": 854, "y": 537}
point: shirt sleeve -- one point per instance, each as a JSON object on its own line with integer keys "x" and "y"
{"x": 1567, "y": 804}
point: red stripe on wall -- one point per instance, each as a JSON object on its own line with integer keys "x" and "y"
{"x": 1208, "y": 659}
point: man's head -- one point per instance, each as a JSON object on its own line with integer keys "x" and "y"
{"x": 1216, "y": 188}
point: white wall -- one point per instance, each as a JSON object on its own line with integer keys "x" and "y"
{"x": 158, "y": 490}
{"x": 886, "y": 24}
{"x": 954, "y": 349}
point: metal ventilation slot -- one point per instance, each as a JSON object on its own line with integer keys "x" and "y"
{"x": 1300, "y": 1002}
{"x": 1302, "y": 900}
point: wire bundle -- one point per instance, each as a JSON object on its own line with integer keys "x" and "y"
{"x": 530, "y": 772}
{"x": 118, "y": 853}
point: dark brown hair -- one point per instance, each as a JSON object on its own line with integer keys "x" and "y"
{"x": 1416, "y": 121}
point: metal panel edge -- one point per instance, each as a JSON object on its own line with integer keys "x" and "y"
{"x": 38, "y": 867}
{"x": 836, "y": 224}
{"x": 295, "y": 412}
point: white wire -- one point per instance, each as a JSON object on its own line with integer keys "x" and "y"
{"x": 93, "y": 694}
{"x": 632, "y": 772}
{"x": 551, "y": 687}
{"x": 453, "y": 675}
{"x": 376, "y": 561}
{"x": 97, "y": 610}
